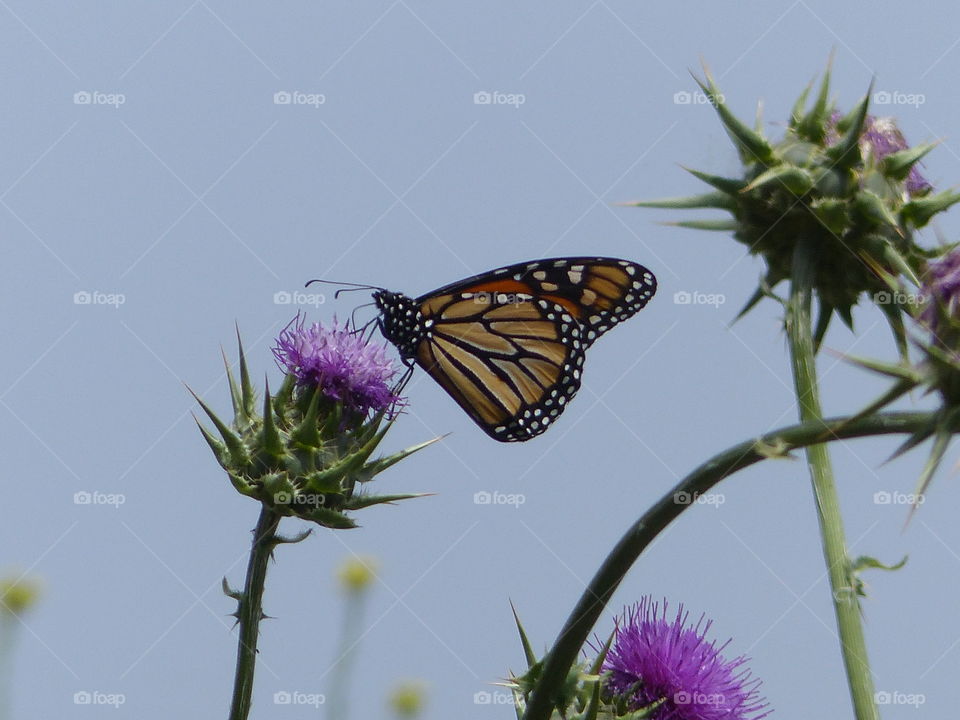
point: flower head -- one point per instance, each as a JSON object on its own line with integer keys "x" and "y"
{"x": 655, "y": 659}
{"x": 942, "y": 288}
{"x": 339, "y": 361}
{"x": 879, "y": 138}
{"x": 306, "y": 449}
{"x": 842, "y": 194}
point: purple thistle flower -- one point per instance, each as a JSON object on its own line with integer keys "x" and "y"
{"x": 654, "y": 659}
{"x": 882, "y": 137}
{"x": 341, "y": 363}
{"x": 941, "y": 287}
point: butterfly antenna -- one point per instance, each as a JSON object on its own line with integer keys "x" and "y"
{"x": 353, "y": 317}
{"x": 351, "y": 287}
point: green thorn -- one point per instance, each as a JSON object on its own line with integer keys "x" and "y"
{"x": 911, "y": 442}
{"x": 528, "y": 653}
{"x": 846, "y": 153}
{"x": 235, "y": 398}
{"x": 919, "y": 211}
{"x": 720, "y": 200}
{"x": 230, "y": 592}
{"x": 797, "y": 180}
{"x": 898, "y": 165}
{"x": 752, "y": 146}
{"x": 381, "y": 464}
{"x": 731, "y": 186}
{"x": 299, "y": 537}
{"x": 813, "y": 125}
{"x": 874, "y": 210}
{"x": 247, "y": 392}
{"x": 799, "y": 108}
{"x": 364, "y": 501}
{"x": 219, "y": 449}
{"x": 941, "y": 441}
{"x": 308, "y": 431}
{"x": 714, "y": 225}
{"x": 238, "y": 453}
{"x": 270, "y": 437}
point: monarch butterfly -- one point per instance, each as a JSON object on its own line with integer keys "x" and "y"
{"x": 508, "y": 345}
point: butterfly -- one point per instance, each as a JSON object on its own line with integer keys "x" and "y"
{"x": 508, "y": 345}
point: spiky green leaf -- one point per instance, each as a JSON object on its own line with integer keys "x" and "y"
{"x": 718, "y": 199}
{"x": 752, "y": 146}
{"x": 731, "y": 186}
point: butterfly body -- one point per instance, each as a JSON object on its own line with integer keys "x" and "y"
{"x": 508, "y": 345}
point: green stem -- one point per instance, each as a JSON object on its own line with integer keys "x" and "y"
{"x": 619, "y": 561}
{"x": 340, "y": 677}
{"x": 8, "y": 630}
{"x": 250, "y": 611}
{"x": 846, "y": 605}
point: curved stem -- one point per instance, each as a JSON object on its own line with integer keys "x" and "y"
{"x": 619, "y": 561}
{"x": 846, "y": 605}
{"x": 250, "y": 611}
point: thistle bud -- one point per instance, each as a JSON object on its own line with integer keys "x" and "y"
{"x": 848, "y": 186}
{"x": 306, "y": 450}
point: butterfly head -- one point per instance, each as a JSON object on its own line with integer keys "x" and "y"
{"x": 401, "y": 321}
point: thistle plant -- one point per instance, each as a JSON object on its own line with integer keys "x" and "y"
{"x": 651, "y": 667}
{"x": 832, "y": 208}
{"x": 668, "y": 663}
{"x": 306, "y": 452}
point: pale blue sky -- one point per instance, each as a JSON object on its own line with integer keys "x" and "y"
{"x": 182, "y": 186}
